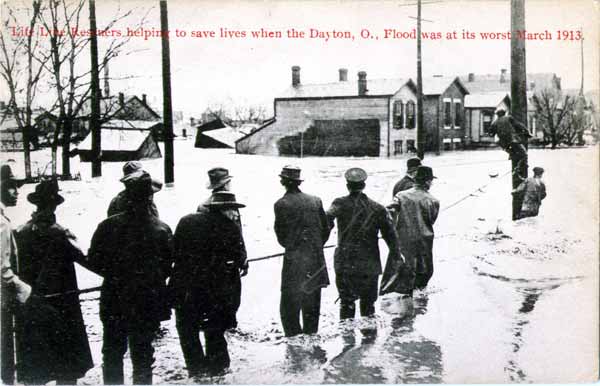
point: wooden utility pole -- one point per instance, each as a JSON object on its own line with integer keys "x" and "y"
{"x": 518, "y": 91}
{"x": 167, "y": 106}
{"x": 95, "y": 97}
{"x": 420, "y": 133}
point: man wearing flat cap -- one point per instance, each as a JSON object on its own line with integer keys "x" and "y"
{"x": 220, "y": 181}
{"x": 52, "y": 342}
{"x": 119, "y": 203}
{"x": 302, "y": 228}
{"x": 206, "y": 285}
{"x": 356, "y": 260}
{"x": 532, "y": 191}
{"x": 415, "y": 211}
{"x": 15, "y": 292}
{"x": 408, "y": 181}
{"x": 133, "y": 252}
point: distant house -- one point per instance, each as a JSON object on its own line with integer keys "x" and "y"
{"x": 317, "y": 113}
{"x": 123, "y": 140}
{"x": 11, "y": 136}
{"x": 480, "y": 109}
{"x": 443, "y": 113}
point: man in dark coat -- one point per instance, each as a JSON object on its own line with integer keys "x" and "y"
{"x": 119, "y": 203}
{"x": 210, "y": 257}
{"x": 408, "y": 181}
{"x": 133, "y": 252}
{"x": 415, "y": 211}
{"x": 302, "y": 228}
{"x": 512, "y": 135}
{"x": 533, "y": 191}
{"x": 220, "y": 181}
{"x": 356, "y": 261}
{"x": 57, "y": 349}
{"x": 15, "y": 292}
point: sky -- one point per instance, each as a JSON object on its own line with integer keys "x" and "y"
{"x": 249, "y": 71}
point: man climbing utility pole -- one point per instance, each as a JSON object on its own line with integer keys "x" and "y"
{"x": 95, "y": 97}
{"x": 518, "y": 89}
{"x": 420, "y": 133}
{"x": 167, "y": 106}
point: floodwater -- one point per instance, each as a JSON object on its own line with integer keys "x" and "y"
{"x": 508, "y": 302}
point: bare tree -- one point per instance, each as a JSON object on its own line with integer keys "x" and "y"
{"x": 20, "y": 71}
{"x": 250, "y": 114}
{"x": 555, "y": 112}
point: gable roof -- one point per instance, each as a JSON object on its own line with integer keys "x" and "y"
{"x": 375, "y": 87}
{"x": 436, "y": 85}
{"x": 490, "y": 99}
{"x": 117, "y": 140}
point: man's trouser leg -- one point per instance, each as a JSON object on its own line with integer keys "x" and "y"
{"x": 6, "y": 341}
{"x": 368, "y": 294}
{"x": 216, "y": 349}
{"x": 289, "y": 310}
{"x": 141, "y": 336}
{"x": 425, "y": 271}
{"x": 189, "y": 338}
{"x": 347, "y": 298}
{"x": 409, "y": 251}
{"x": 311, "y": 310}
{"x": 114, "y": 346}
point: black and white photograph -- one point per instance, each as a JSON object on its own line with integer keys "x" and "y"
{"x": 299, "y": 192}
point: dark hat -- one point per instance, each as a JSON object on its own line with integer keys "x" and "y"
{"x": 424, "y": 173}
{"x": 220, "y": 200}
{"x": 413, "y": 163}
{"x": 6, "y": 175}
{"x": 291, "y": 173}
{"x": 218, "y": 177}
{"x": 538, "y": 170}
{"x": 139, "y": 185}
{"x": 131, "y": 166}
{"x": 46, "y": 192}
{"x": 355, "y": 175}
{"x": 500, "y": 111}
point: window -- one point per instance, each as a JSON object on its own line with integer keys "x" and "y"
{"x": 398, "y": 115}
{"x": 457, "y": 114}
{"x": 410, "y": 115}
{"x": 447, "y": 115}
{"x": 487, "y": 117}
{"x": 410, "y": 146}
{"x": 397, "y": 147}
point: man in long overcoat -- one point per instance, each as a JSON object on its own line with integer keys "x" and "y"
{"x": 133, "y": 252}
{"x": 302, "y": 228}
{"x": 210, "y": 257}
{"x": 408, "y": 181}
{"x": 356, "y": 261}
{"x": 533, "y": 191}
{"x": 15, "y": 292}
{"x": 57, "y": 349}
{"x": 119, "y": 203}
{"x": 415, "y": 211}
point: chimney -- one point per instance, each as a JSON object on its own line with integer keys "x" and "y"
{"x": 503, "y": 75}
{"x": 144, "y": 99}
{"x": 121, "y": 99}
{"x": 343, "y": 74}
{"x": 362, "y": 83}
{"x": 296, "y": 76}
{"x": 471, "y": 77}
{"x": 192, "y": 121}
{"x": 106, "y": 85}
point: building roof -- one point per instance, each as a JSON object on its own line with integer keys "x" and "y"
{"x": 491, "y": 82}
{"x": 227, "y": 135}
{"x": 375, "y": 87}
{"x": 129, "y": 124}
{"x": 117, "y": 140}
{"x": 436, "y": 85}
{"x": 489, "y": 99}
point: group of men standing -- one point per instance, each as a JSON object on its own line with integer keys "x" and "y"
{"x": 148, "y": 270}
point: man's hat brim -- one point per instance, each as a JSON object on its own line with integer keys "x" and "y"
{"x": 36, "y": 199}
{"x": 290, "y": 178}
{"x": 219, "y": 183}
{"x": 225, "y": 205}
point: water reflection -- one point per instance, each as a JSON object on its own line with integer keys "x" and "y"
{"x": 302, "y": 356}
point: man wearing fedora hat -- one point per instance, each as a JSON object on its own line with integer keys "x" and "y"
{"x": 356, "y": 260}
{"x": 119, "y": 203}
{"x": 302, "y": 228}
{"x": 133, "y": 252}
{"x": 415, "y": 211}
{"x": 408, "y": 181}
{"x": 53, "y": 346}
{"x": 220, "y": 181}
{"x": 206, "y": 285}
{"x": 533, "y": 191}
{"x": 14, "y": 290}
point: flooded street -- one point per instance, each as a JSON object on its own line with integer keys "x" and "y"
{"x": 508, "y": 301}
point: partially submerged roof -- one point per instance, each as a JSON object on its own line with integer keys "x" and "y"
{"x": 227, "y": 135}
{"x": 117, "y": 140}
{"x": 130, "y": 124}
{"x": 375, "y": 87}
{"x": 490, "y": 99}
